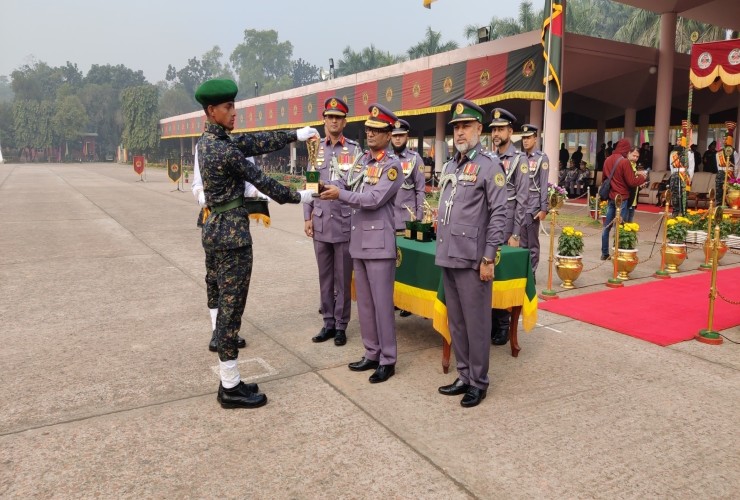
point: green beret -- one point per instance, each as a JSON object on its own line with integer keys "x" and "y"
{"x": 216, "y": 92}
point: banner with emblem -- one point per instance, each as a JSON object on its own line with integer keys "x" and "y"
{"x": 448, "y": 83}
{"x": 524, "y": 72}
{"x": 283, "y": 112}
{"x": 139, "y": 162}
{"x": 716, "y": 65}
{"x": 173, "y": 170}
{"x": 390, "y": 92}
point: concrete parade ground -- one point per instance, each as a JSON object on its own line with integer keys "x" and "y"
{"x": 108, "y": 389}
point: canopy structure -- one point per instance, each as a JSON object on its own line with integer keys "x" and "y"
{"x": 716, "y": 65}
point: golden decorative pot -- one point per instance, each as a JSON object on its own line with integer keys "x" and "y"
{"x": 675, "y": 254}
{"x": 626, "y": 263}
{"x": 721, "y": 251}
{"x": 569, "y": 269}
{"x": 733, "y": 199}
{"x": 555, "y": 202}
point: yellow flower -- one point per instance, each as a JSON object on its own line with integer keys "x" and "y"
{"x": 672, "y": 222}
{"x": 579, "y": 234}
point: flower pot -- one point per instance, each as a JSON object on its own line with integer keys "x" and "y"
{"x": 626, "y": 263}
{"x": 733, "y": 199}
{"x": 721, "y": 251}
{"x": 569, "y": 269}
{"x": 603, "y": 219}
{"x": 675, "y": 254}
{"x": 693, "y": 236}
{"x": 594, "y": 214}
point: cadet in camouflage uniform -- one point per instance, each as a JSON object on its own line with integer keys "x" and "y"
{"x": 225, "y": 235}
{"x": 327, "y": 222}
{"x": 266, "y": 142}
{"x": 470, "y": 228}
{"x": 372, "y": 186}
{"x": 517, "y": 191}
{"x": 539, "y": 169}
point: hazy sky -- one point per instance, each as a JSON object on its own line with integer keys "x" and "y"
{"x": 149, "y": 35}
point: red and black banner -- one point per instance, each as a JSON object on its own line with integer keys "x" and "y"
{"x": 497, "y": 77}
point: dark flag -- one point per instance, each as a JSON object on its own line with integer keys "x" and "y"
{"x": 173, "y": 170}
{"x": 552, "y": 42}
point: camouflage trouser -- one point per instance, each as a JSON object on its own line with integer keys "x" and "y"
{"x": 211, "y": 280}
{"x": 233, "y": 272}
{"x": 678, "y": 194}
{"x": 719, "y": 184}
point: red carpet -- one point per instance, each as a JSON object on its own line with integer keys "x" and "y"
{"x": 641, "y": 207}
{"x": 663, "y": 312}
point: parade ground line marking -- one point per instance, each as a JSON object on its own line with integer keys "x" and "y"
{"x": 267, "y": 369}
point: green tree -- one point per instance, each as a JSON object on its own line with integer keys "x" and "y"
{"x": 32, "y": 125}
{"x": 140, "y": 119}
{"x": 367, "y": 59}
{"x": 103, "y": 106}
{"x": 37, "y": 81}
{"x": 119, "y": 77}
{"x": 7, "y": 137}
{"x": 430, "y": 45}
{"x": 304, "y": 73}
{"x": 643, "y": 28}
{"x": 262, "y": 59}
{"x": 69, "y": 120}
{"x": 174, "y": 100}
{"x": 6, "y": 91}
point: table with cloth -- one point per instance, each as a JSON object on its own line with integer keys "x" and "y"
{"x": 418, "y": 288}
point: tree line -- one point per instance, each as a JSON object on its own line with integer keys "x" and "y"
{"x": 45, "y": 108}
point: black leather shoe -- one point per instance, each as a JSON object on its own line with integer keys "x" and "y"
{"x": 454, "y": 389}
{"x": 382, "y": 373}
{"x": 605, "y": 257}
{"x": 473, "y": 397}
{"x": 340, "y": 338}
{"x": 324, "y": 335}
{"x": 213, "y": 344}
{"x": 404, "y": 313}
{"x": 501, "y": 337}
{"x": 240, "y": 397}
{"x": 363, "y": 365}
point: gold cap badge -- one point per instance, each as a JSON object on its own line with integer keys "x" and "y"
{"x": 375, "y": 111}
{"x": 497, "y": 114}
{"x": 397, "y": 124}
{"x": 459, "y": 108}
{"x": 333, "y": 103}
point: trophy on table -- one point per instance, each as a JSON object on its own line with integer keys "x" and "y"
{"x": 410, "y": 232}
{"x": 312, "y": 175}
{"x": 424, "y": 230}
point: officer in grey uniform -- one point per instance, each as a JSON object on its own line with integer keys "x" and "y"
{"x": 410, "y": 199}
{"x": 470, "y": 228}
{"x": 517, "y": 192}
{"x": 328, "y": 223}
{"x": 539, "y": 169}
{"x": 370, "y": 189}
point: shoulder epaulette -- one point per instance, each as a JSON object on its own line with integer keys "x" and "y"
{"x": 353, "y": 142}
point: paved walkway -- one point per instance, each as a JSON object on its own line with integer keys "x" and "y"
{"x": 108, "y": 389}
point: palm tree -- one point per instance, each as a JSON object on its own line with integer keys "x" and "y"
{"x": 430, "y": 45}
{"x": 643, "y": 28}
{"x": 369, "y": 58}
{"x": 528, "y": 19}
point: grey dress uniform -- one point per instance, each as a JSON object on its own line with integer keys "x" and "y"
{"x": 471, "y": 222}
{"x": 331, "y": 230}
{"x": 517, "y": 189}
{"x": 539, "y": 169}
{"x": 411, "y": 194}
{"x": 370, "y": 190}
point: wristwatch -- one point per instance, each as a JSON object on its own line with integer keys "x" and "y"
{"x": 515, "y": 236}
{"x": 487, "y": 261}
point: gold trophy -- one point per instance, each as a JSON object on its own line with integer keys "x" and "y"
{"x": 312, "y": 175}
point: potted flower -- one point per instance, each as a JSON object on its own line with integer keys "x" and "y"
{"x": 697, "y": 232}
{"x": 733, "y": 240}
{"x": 593, "y": 207}
{"x": 569, "y": 264}
{"x": 559, "y": 193}
{"x": 675, "y": 251}
{"x": 733, "y": 193}
{"x": 627, "y": 252}
{"x": 602, "y": 210}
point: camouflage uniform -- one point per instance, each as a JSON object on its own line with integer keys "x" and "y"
{"x": 226, "y": 230}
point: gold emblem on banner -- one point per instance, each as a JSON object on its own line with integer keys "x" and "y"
{"x": 389, "y": 94}
{"x": 529, "y": 68}
{"x": 282, "y": 111}
{"x": 365, "y": 98}
{"x": 484, "y": 78}
{"x": 416, "y": 89}
{"x": 345, "y": 98}
{"x": 295, "y": 110}
{"x": 310, "y": 108}
{"x": 498, "y": 257}
{"x": 259, "y": 117}
{"x": 447, "y": 85}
